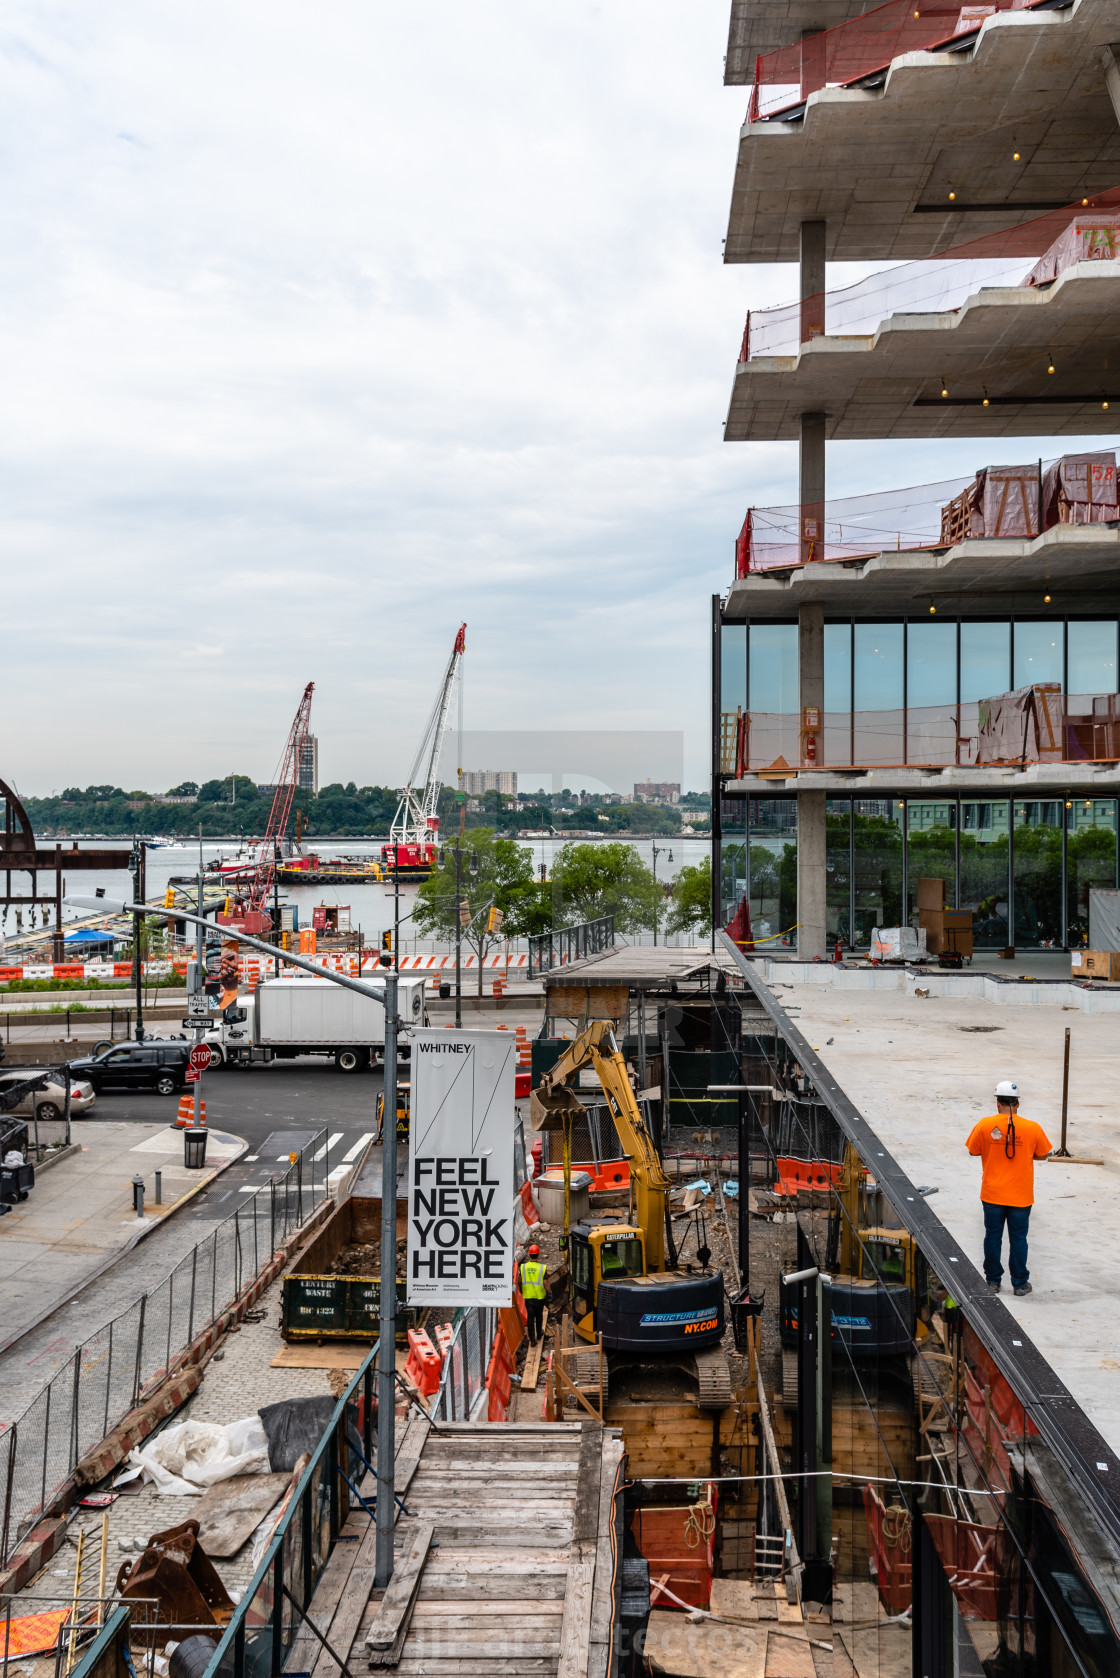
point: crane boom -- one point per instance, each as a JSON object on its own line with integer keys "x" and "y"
{"x": 415, "y": 829}
{"x": 597, "y": 1047}
{"x": 286, "y": 783}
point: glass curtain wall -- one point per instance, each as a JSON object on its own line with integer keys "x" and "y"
{"x": 1013, "y": 864}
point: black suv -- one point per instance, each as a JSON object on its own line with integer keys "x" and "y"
{"x": 136, "y": 1066}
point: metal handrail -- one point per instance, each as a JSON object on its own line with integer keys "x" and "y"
{"x": 569, "y": 943}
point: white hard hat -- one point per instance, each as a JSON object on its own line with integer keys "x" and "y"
{"x": 1006, "y": 1090}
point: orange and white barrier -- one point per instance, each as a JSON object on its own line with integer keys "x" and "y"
{"x": 184, "y": 1119}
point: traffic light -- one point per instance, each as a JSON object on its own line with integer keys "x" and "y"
{"x": 169, "y": 898}
{"x": 387, "y": 942}
{"x": 464, "y": 912}
{"x": 495, "y": 918}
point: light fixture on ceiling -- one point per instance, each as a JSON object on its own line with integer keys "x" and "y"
{"x": 1046, "y": 600}
{"x": 1050, "y": 362}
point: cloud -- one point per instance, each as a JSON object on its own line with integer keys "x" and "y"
{"x": 324, "y": 330}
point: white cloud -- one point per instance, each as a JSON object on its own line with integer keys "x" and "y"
{"x": 324, "y": 328}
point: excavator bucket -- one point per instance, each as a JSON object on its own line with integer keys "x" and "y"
{"x": 548, "y": 1108}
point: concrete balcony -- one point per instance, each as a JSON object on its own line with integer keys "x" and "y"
{"x": 998, "y": 345}
{"x": 879, "y": 166}
{"x": 761, "y": 26}
{"x": 1068, "y": 568}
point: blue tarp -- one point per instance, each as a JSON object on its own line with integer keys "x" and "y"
{"x": 90, "y": 935}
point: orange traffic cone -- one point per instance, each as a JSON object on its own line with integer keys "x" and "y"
{"x": 185, "y": 1117}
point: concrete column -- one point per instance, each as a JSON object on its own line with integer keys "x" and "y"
{"x": 811, "y": 845}
{"x": 810, "y": 491}
{"x": 812, "y": 279}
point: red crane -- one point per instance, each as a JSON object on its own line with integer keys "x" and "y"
{"x": 251, "y": 912}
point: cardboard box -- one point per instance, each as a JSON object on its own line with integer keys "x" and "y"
{"x": 947, "y": 929}
{"x": 1095, "y": 964}
{"x": 931, "y": 895}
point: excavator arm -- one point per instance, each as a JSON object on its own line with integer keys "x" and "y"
{"x": 597, "y": 1047}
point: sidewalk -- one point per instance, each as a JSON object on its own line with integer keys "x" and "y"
{"x": 79, "y": 1216}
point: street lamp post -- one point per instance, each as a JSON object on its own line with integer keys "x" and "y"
{"x": 136, "y": 869}
{"x": 472, "y": 869}
{"x": 386, "y": 1355}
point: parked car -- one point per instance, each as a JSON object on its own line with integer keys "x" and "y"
{"x": 51, "y": 1098}
{"x": 159, "y": 1066}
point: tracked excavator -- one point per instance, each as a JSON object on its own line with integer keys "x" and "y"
{"x": 648, "y": 1312}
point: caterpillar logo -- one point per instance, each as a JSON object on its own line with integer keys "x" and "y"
{"x": 701, "y": 1328}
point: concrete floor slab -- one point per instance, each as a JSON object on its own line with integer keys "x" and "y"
{"x": 878, "y": 166}
{"x": 759, "y": 26}
{"x": 998, "y": 345}
{"x": 922, "y": 1071}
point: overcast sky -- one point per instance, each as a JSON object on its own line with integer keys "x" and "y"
{"x": 325, "y": 327}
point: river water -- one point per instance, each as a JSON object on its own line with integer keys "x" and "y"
{"x": 371, "y": 906}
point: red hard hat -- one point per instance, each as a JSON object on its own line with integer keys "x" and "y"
{"x": 534, "y": 1250}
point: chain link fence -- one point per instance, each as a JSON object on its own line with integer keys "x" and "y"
{"x": 115, "y": 1368}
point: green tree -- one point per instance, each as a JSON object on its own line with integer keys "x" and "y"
{"x": 504, "y": 879}
{"x": 591, "y": 880}
{"x": 691, "y": 908}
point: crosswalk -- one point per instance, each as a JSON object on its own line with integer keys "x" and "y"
{"x": 332, "y": 1159}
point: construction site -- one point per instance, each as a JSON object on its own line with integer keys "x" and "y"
{"x": 644, "y": 1322}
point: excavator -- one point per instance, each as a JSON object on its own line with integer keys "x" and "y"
{"x": 648, "y": 1311}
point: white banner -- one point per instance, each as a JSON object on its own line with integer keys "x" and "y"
{"x": 460, "y": 1169}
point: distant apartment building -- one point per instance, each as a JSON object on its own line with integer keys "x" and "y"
{"x": 478, "y": 781}
{"x": 657, "y": 792}
{"x": 309, "y": 766}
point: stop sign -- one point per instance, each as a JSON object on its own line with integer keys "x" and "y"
{"x": 200, "y": 1057}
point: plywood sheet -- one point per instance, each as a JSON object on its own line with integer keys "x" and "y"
{"x": 704, "y": 1648}
{"x": 230, "y": 1512}
{"x": 304, "y": 1354}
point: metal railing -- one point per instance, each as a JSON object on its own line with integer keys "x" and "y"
{"x": 569, "y": 943}
{"x": 112, "y": 1371}
{"x": 273, "y": 1611}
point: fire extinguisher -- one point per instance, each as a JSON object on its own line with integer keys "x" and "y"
{"x": 810, "y": 748}
{"x": 838, "y": 953}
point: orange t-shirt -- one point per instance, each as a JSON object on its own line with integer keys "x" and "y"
{"x": 1008, "y": 1182}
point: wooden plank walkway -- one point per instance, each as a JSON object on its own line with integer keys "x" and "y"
{"x": 521, "y": 1573}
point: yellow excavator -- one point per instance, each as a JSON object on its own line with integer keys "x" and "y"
{"x": 647, "y": 1312}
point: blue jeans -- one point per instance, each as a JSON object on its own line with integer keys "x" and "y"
{"x": 1016, "y": 1218}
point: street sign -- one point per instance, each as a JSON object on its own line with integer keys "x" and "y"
{"x": 200, "y": 1057}
{"x": 191, "y": 1076}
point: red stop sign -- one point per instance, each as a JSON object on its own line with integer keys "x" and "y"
{"x": 200, "y": 1057}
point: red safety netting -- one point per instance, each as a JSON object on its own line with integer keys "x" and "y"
{"x": 860, "y": 47}
{"x": 1036, "y": 724}
{"x": 938, "y": 284}
{"x": 998, "y": 501}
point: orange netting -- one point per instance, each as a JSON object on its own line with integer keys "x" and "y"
{"x": 862, "y": 47}
{"x": 998, "y": 501}
{"x": 1034, "y": 724}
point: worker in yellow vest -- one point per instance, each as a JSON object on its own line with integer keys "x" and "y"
{"x": 531, "y": 1279}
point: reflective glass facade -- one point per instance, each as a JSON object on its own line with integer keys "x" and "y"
{"x": 1024, "y": 867}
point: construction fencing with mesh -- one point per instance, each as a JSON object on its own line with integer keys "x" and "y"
{"x": 112, "y": 1371}
{"x": 997, "y": 501}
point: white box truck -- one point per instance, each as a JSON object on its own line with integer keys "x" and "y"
{"x": 288, "y": 1017}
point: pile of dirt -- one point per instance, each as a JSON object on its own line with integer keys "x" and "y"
{"x": 363, "y": 1258}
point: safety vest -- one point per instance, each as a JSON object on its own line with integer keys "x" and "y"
{"x": 532, "y": 1279}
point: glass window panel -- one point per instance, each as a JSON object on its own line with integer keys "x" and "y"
{"x": 985, "y": 830}
{"x": 1038, "y": 653}
{"x": 1038, "y": 873}
{"x": 733, "y": 856}
{"x": 985, "y": 660}
{"x": 1091, "y": 651}
{"x": 733, "y": 666}
{"x": 773, "y": 667}
{"x": 838, "y": 870}
{"x": 877, "y": 864}
{"x": 837, "y": 743}
{"x": 931, "y": 837}
{"x": 773, "y": 869}
{"x": 878, "y": 666}
{"x": 1090, "y": 860}
{"x": 931, "y": 664}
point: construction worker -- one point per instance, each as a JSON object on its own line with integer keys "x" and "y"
{"x": 1008, "y": 1146}
{"x": 532, "y": 1273}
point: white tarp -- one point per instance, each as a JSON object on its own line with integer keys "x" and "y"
{"x": 190, "y": 1457}
{"x": 461, "y": 1173}
{"x": 1104, "y": 918}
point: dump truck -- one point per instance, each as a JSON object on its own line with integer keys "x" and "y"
{"x": 288, "y": 1017}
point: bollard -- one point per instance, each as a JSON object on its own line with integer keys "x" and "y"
{"x": 159, "y": 1188}
{"x": 138, "y": 1195}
